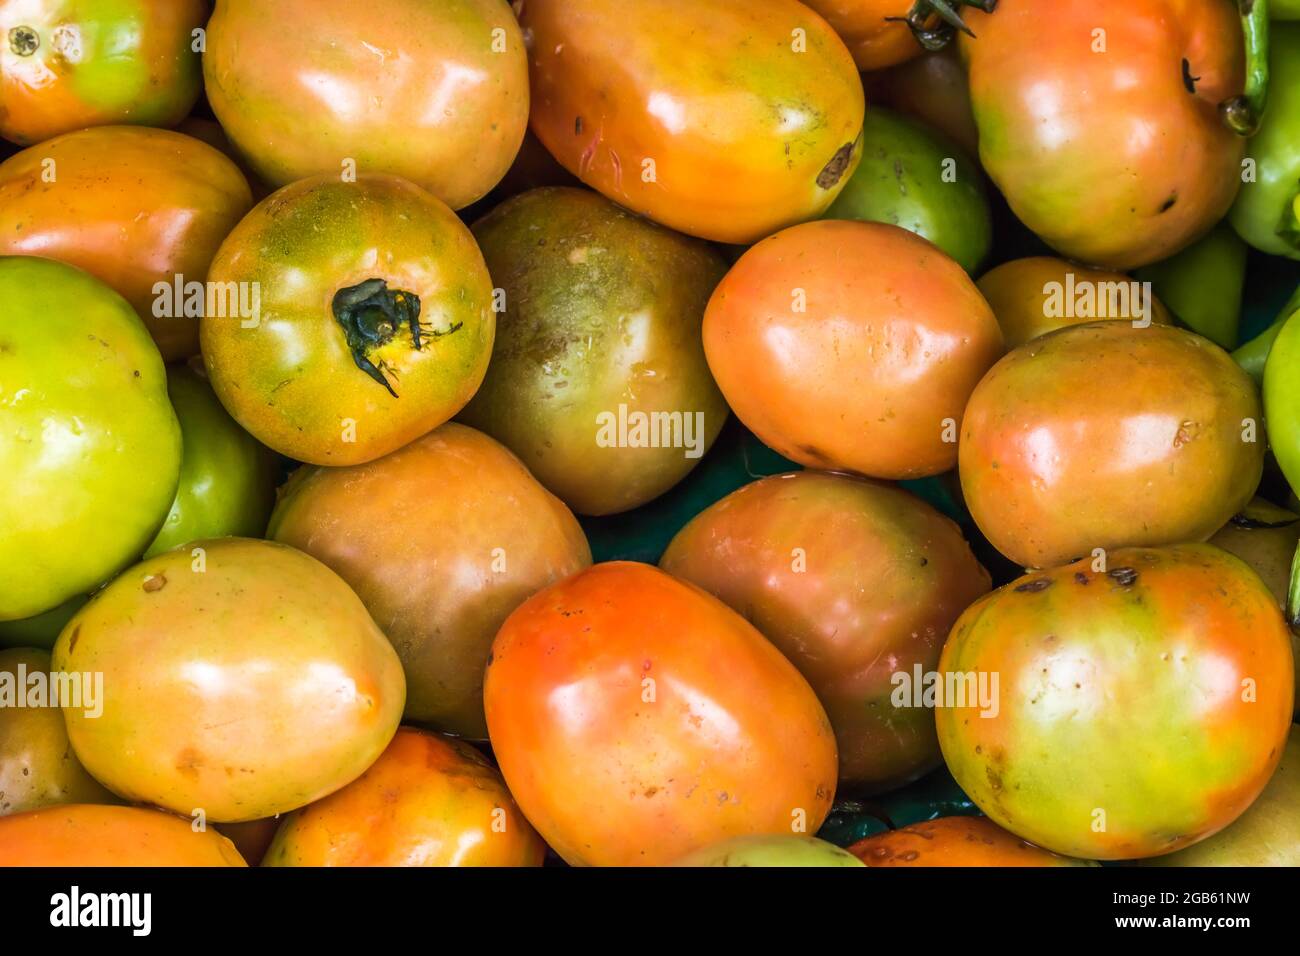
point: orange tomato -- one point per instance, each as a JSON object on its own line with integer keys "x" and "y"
{"x": 91, "y": 835}
{"x": 851, "y": 346}
{"x": 134, "y": 207}
{"x": 873, "y": 30}
{"x": 637, "y": 718}
{"x": 436, "y": 93}
{"x": 724, "y": 119}
{"x": 955, "y": 841}
{"x": 427, "y": 801}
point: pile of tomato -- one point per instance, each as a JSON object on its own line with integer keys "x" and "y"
{"x": 370, "y": 374}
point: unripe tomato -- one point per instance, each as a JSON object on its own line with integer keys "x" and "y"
{"x": 91, "y": 835}
{"x": 439, "y": 573}
{"x": 954, "y": 841}
{"x": 142, "y": 209}
{"x": 1104, "y": 436}
{"x": 782, "y": 850}
{"x": 724, "y": 119}
{"x": 637, "y": 718}
{"x": 436, "y": 93}
{"x": 371, "y": 320}
{"x": 427, "y": 801}
{"x": 67, "y": 64}
{"x": 851, "y": 346}
{"x": 242, "y": 678}
{"x": 1137, "y": 710}
{"x": 90, "y": 449}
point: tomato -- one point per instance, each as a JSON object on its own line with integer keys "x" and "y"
{"x": 66, "y": 64}
{"x": 1203, "y": 284}
{"x": 268, "y": 685}
{"x": 637, "y": 718}
{"x": 252, "y": 838}
{"x": 1139, "y": 709}
{"x": 1040, "y": 294}
{"x": 856, "y": 582}
{"x": 724, "y": 119}
{"x": 439, "y": 573}
{"x": 954, "y": 841}
{"x": 37, "y": 766}
{"x": 142, "y": 209}
{"x": 875, "y": 31}
{"x": 371, "y": 320}
{"x": 905, "y": 179}
{"x": 89, "y": 445}
{"x": 1265, "y": 213}
{"x": 931, "y": 88}
{"x": 436, "y": 93}
{"x": 768, "y": 850}
{"x": 1282, "y": 398}
{"x": 1100, "y": 123}
{"x": 90, "y": 835}
{"x": 1268, "y": 834}
{"x": 598, "y": 381}
{"x": 427, "y": 801}
{"x": 228, "y": 479}
{"x": 1105, "y": 435}
{"x": 851, "y": 346}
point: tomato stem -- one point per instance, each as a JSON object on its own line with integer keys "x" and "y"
{"x": 920, "y": 20}
{"x": 1293, "y": 593}
{"x": 1243, "y": 113}
{"x": 370, "y": 314}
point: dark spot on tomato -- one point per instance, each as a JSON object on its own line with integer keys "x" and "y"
{"x": 1168, "y": 204}
{"x": 833, "y": 171}
{"x": 1124, "y": 577}
{"x": 1038, "y": 584}
{"x": 1081, "y": 578}
{"x": 76, "y": 636}
{"x": 155, "y": 582}
{"x": 577, "y": 126}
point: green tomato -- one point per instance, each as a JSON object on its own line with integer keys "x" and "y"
{"x": 1284, "y": 9}
{"x": 771, "y": 850}
{"x": 90, "y": 449}
{"x": 43, "y": 629}
{"x": 1282, "y": 399}
{"x": 1202, "y": 285}
{"x": 1265, "y": 212}
{"x": 915, "y": 178}
{"x": 227, "y": 485}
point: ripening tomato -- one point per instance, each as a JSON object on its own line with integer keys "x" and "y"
{"x": 439, "y": 573}
{"x": 855, "y": 582}
{"x": 436, "y": 93}
{"x": 1105, "y": 435}
{"x": 142, "y": 209}
{"x": 427, "y": 801}
{"x": 90, "y": 449}
{"x": 364, "y": 318}
{"x": 228, "y": 478}
{"x": 637, "y": 718}
{"x": 875, "y": 31}
{"x": 67, "y": 64}
{"x": 933, "y": 89}
{"x": 91, "y": 835}
{"x": 1099, "y": 120}
{"x": 1137, "y": 710}
{"x": 723, "y": 119}
{"x": 955, "y": 841}
{"x": 851, "y": 346}
{"x": 1039, "y": 294}
{"x": 37, "y": 765}
{"x": 771, "y": 850}
{"x": 249, "y": 681}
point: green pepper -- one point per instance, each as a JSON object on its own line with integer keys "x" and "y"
{"x": 1282, "y": 399}
{"x": 1265, "y": 213}
{"x": 915, "y": 178}
{"x": 1203, "y": 285}
{"x": 1254, "y": 353}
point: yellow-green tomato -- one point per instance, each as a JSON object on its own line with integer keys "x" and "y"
{"x": 771, "y": 850}
{"x": 90, "y": 449}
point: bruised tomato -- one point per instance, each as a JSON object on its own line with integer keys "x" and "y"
{"x": 90, "y": 835}
{"x": 1105, "y": 435}
{"x": 637, "y": 718}
{"x": 1137, "y": 710}
{"x": 438, "y": 572}
{"x": 436, "y": 93}
{"x": 857, "y": 583}
{"x": 427, "y": 801}
{"x": 242, "y": 678}
{"x": 598, "y": 381}
{"x": 142, "y": 209}
{"x": 723, "y": 119}
{"x": 370, "y": 322}
{"x": 954, "y": 841}
{"x": 90, "y": 449}
{"x": 1040, "y": 294}
{"x": 851, "y": 346}
{"x": 1100, "y": 120}
{"x": 67, "y": 64}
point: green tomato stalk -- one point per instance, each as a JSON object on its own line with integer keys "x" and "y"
{"x": 1243, "y": 113}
